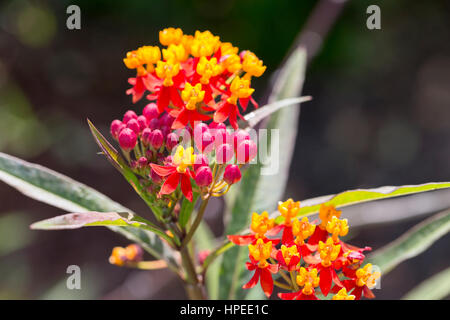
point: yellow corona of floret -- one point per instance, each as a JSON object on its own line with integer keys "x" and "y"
{"x": 343, "y": 295}
{"x": 308, "y": 280}
{"x": 204, "y": 44}
{"x": 232, "y": 63}
{"x": 337, "y": 228}
{"x": 302, "y": 229}
{"x": 326, "y": 213}
{"x": 192, "y": 95}
{"x": 207, "y": 69}
{"x": 289, "y": 252}
{"x": 175, "y": 53}
{"x": 170, "y": 36}
{"x": 252, "y": 65}
{"x": 289, "y": 210}
{"x": 240, "y": 89}
{"x": 227, "y": 48}
{"x": 328, "y": 252}
{"x": 365, "y": 276}
{"x": 261, "y": 224}
{"x": 167, "y": 70}
{"x": 183, "y": 158}
{"x": 186, "y": 41}
{"x": 149, "y": 55}
{"x": 261, "y": 252}
{"x": 118, "y": 256}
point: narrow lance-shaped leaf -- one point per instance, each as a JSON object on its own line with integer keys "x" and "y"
{"x": 257, "y": 191}
{"x": 434, "y": 288}
{"x": 95, "y": 219}
{"x": 412, "y": 243}
{"x": 347, "y": 198}
{"x": 60, "y": 191}
{"x": 119, "y": 163}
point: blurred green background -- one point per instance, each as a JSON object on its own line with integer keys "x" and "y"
{"x": 380, "y": 116}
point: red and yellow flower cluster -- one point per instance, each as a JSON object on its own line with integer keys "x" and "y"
{"x": 194, "y": 78}
{"x": 309, "y": 257}
{"x": 195, "y": 84}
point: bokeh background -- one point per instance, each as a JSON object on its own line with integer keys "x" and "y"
{"x": 380, "y": 116}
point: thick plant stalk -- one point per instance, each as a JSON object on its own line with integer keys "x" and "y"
{"x": 194, "y": 289}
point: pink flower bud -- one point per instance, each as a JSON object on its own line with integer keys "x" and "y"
{"x": 142, "y": 121}
{"x": 116, "y": 125}
{"x": 171, "y": 140}
{"x": 200, "y": 129}
{"x": 166, "y": 120}
{"x": 127, "y": 139}
{"x": 155, "y": 177}
{"x": 134, "y": 125}
{"x": 201, "y": 160}
{"x": 153, "y": 124}
{"x": 239, "y": 136}
{"x": 232, "y": 174}
{"x": 204, "y": 142}
{"x": 221, "y": 136}
{"x": 202, "y": 255}
{"x": 142, "y": 162}
{"x": 165, "y": 130}
{"x": 168, "y": 160}
{"x": 203, "y": 176}
{"x": 150, "y": 111}
{"x": 130, "y": 114}
{"x": 224, "y": 153}
{"x": 246, "y": 151}
{"x": 145, "y": 137}
{"x": 156, "y": 139}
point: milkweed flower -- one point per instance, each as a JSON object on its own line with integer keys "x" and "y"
{"x": 220, "y": 76}
{"x": 318, "y": 261}
{"x": 178, "y": 172}
{"x": 259, "y": 253}
{"x": 308, "y": 280}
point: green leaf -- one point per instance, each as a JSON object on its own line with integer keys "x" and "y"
{"x": 57, "y": 190}
{"x": 120, "y": 164}
{"x": 435, "y": 288}
{"x": 186, "y": 210}
{"x": 95, "y": 219}
{"x": 412, "y": 243}
{"x": 347, "y": 198}
{"x": 257, "y": 191}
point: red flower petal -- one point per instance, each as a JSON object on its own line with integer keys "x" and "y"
{"x": 163, "y": 98}
{"x": 186, "y": 187}
{"x": 318, "y": 235}
{"x": 175, "y": 98}
{"x": 289, "y": 295}
{"x": 325, "y": 280}
{"x": 170, "y": 184}
{"x": 222, "y": 113}
{"x": 241, "y": 240}
{"x": 181, "y": 120}
{"x": 253, "y": 281}
{"x": 368, "y": 293}
{"x": 163, "y": 171}
{"x": 287, "y": 238}
{"x": 266, "y": 282}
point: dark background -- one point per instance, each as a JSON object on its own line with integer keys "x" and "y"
{"x": 380, "y": 116}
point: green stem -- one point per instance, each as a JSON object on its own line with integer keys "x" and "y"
{"x": 294, "y": 280}
{"x": 193, "y": 287}
{"x": 282, "y": 285}
{"x": 198, "y": 219}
